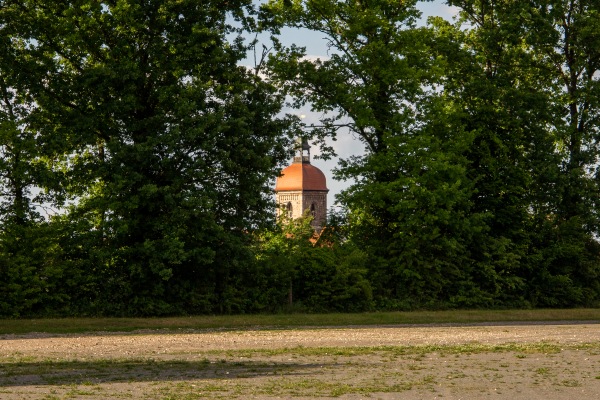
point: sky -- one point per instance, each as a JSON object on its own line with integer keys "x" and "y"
{"x": 345, "y": 145}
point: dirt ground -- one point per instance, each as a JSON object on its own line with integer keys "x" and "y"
{"x": 498, "y": 361}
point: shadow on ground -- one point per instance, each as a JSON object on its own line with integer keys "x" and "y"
{"x": 108, "y": 371}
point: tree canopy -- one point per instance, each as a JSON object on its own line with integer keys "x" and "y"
{"x": 161, "y": 143}
{"x": 138, "y": 156}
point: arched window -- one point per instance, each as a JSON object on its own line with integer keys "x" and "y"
{"x": 288, "y": 209}
{"x": 312, "y": 209}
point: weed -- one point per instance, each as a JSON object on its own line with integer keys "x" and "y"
{"x": 570, "y": 383}
{"x": 542, "y": 371}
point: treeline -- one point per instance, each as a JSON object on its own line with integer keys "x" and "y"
{"x": 138, "y": 156}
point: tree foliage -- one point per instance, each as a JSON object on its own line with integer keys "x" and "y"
{"x": 165, "y": 145}
{"x": 479, "y": 139}
{"x": 137, "y": 156}
{"x": 309, "y": 271}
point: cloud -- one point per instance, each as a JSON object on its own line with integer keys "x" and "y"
{"x": 314, "y": 57}
{"x": 437, "y": 9}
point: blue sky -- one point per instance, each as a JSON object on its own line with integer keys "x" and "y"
{"x": 345, "y": 145}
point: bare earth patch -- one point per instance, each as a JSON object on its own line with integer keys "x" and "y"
{"x": 519, "y": 361}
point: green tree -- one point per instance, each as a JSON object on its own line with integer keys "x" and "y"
{"x": 565, "y": 36}
{"x": 299, "y": 269}
{"x": 532, "y": 103}
{"x": 494, "y": 85}
{"x": 167, "y": 146}
{"x": 412, "y": 206}
{"x": 278, "y": 254}
{"x": 372, "y": 76}
{"x": 29, "y": 275}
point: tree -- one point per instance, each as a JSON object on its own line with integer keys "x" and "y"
{"x": 532, "y": 102}
{"x": 28, "y": 275}
{"x": 493, "y": 84}
{"x": 166, "y": 145}
{"x": 565, "y": 36}
{"x": 300, "y": 269}
{"x": 412, "y": 206}
{"x": 371, "y": 77}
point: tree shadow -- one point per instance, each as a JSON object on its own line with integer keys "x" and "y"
{"x": 26, "y": 373}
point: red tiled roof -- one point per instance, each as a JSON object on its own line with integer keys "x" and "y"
{"x": 301, "y": 176}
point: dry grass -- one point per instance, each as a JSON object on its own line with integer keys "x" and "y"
{"x": 224, "y": 358}
{"x": 79, "y": 325}
{"x": 527, "y": 370}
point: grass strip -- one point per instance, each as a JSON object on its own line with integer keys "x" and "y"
{"x": 81, "y": 325}
{"x": 470, "y": 348}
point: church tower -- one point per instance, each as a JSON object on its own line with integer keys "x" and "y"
{"x": 302, "y": 187}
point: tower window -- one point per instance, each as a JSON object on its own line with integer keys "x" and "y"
{"x": 312, "y": 209}
{"x": 288, "y": 209}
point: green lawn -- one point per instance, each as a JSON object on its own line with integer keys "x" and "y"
{"x": 77, "y": 325}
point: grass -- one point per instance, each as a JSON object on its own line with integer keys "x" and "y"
{"x": 308, "y": 372}
{"x": 418, "y": 351}
{"x": 80, "y": 325}
{"x": 363, "y": 371}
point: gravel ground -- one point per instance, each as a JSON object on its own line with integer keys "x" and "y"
{"x": 517, "y": 361}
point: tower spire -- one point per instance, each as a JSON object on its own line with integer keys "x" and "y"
{"x": 301, "y": 146}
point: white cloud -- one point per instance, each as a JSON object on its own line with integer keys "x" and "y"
{"x": 437, "y": 8}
